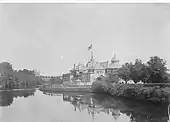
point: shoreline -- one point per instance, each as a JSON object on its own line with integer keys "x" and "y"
{"x": 154, "y": 94}
{"x": 29, "y": 89}
{"x": 66, "y": 89}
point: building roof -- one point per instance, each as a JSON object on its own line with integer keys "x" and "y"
{"x": 104, "y": 64}
{"x": 91, "y": 64}
{"x": 81, "y": 67}
{"x": 114, "y": 58}
{"x": 114, "y": 65}
{"x": 98, "y": 66}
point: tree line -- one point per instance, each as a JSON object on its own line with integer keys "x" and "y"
{"x": 11, "y": 79}
{"x": 153, "y": 71}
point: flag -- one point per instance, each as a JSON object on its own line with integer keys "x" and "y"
{"x": 90, "y": 47}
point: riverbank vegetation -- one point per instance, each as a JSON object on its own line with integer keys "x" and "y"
{"x": 152, "y": 72}
{"x": 14, "y": 79}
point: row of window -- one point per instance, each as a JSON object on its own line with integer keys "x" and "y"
{"x": 99, "y": 72}
{"x": 110, "y": 71}
{"x": 49, "y": 76}
{"x": 107, "y": 71}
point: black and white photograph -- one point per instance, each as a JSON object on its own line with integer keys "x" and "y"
{"x": 84, "y": 61}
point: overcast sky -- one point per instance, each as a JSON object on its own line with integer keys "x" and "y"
{"x": 52, "y": 37}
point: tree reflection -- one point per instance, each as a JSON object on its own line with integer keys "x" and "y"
{"x": 137, "y": 111}
{"x": 6, "y": 97}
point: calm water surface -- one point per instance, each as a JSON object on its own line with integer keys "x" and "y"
{"x": 36, "y": 106}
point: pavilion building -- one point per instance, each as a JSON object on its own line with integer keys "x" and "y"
{"x": 92, "y": 69}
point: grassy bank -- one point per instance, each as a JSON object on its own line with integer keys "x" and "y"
{"x": 154, "y": 94}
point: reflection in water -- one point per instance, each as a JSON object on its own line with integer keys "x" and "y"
{"x": 136, "y": 110}
{"x": 6, "y": 97}
{"x": 75, "y": 107}
{"x": 169, "y": 113}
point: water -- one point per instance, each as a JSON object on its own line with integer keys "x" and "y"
{"x": 36, "y": 106}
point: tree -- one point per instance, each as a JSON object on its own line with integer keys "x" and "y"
{"x": 154, "y": 71}
{"x": 139, "y": 71}
{"x": 144, "y": 73}
{"x": 157, "y": 69}
{"x": 113, "y": 79}
{"x": 135, "y": 70}
{"x": 157, "y": 65}
{"x": 28, "y": 72}
{"x": 6, "y": 67}
{"x": 18, "y": 79}
{"x": 124, "y": 72}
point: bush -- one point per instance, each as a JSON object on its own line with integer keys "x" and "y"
{"x": 154, "y": 94}
{"x": 101, "y": 86}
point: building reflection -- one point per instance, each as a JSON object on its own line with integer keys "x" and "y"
{"x": 52, "y": 93}
{"x": 137, "y": 111}
{"x": 89, "y": 104}
{"x": 6, "y": 97}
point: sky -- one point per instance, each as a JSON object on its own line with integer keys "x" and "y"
{"x": 53, "y": 37}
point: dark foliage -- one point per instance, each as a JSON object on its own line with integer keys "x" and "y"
{"x": 13, "y": 79}
{"x": 154, "y": 71}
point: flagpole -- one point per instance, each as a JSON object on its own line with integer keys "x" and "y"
{"x": 90, "y": 49}
{"x": 91, "y": 54}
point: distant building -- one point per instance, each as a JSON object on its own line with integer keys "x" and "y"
{"x": 95, "y": 69}
{"x": 104, "y": 64}
{"x": 52, "y": 79}
{"x": 45, "y": 78}
{"x": 66, "y": 77}
{"x": 56, "y": 80}
{"x": 98, "y": 69}
{"x": 80, "y": 74}
{"x": 59, "y": 79}
{"x": 92, "y": 69}
{"x": 113, "y": 66}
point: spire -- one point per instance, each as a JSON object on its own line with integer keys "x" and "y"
{"x": 114, "y": 58}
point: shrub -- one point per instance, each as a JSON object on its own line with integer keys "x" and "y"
{"x": 101, "y": 86}
{"x": 154, "y": 94}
